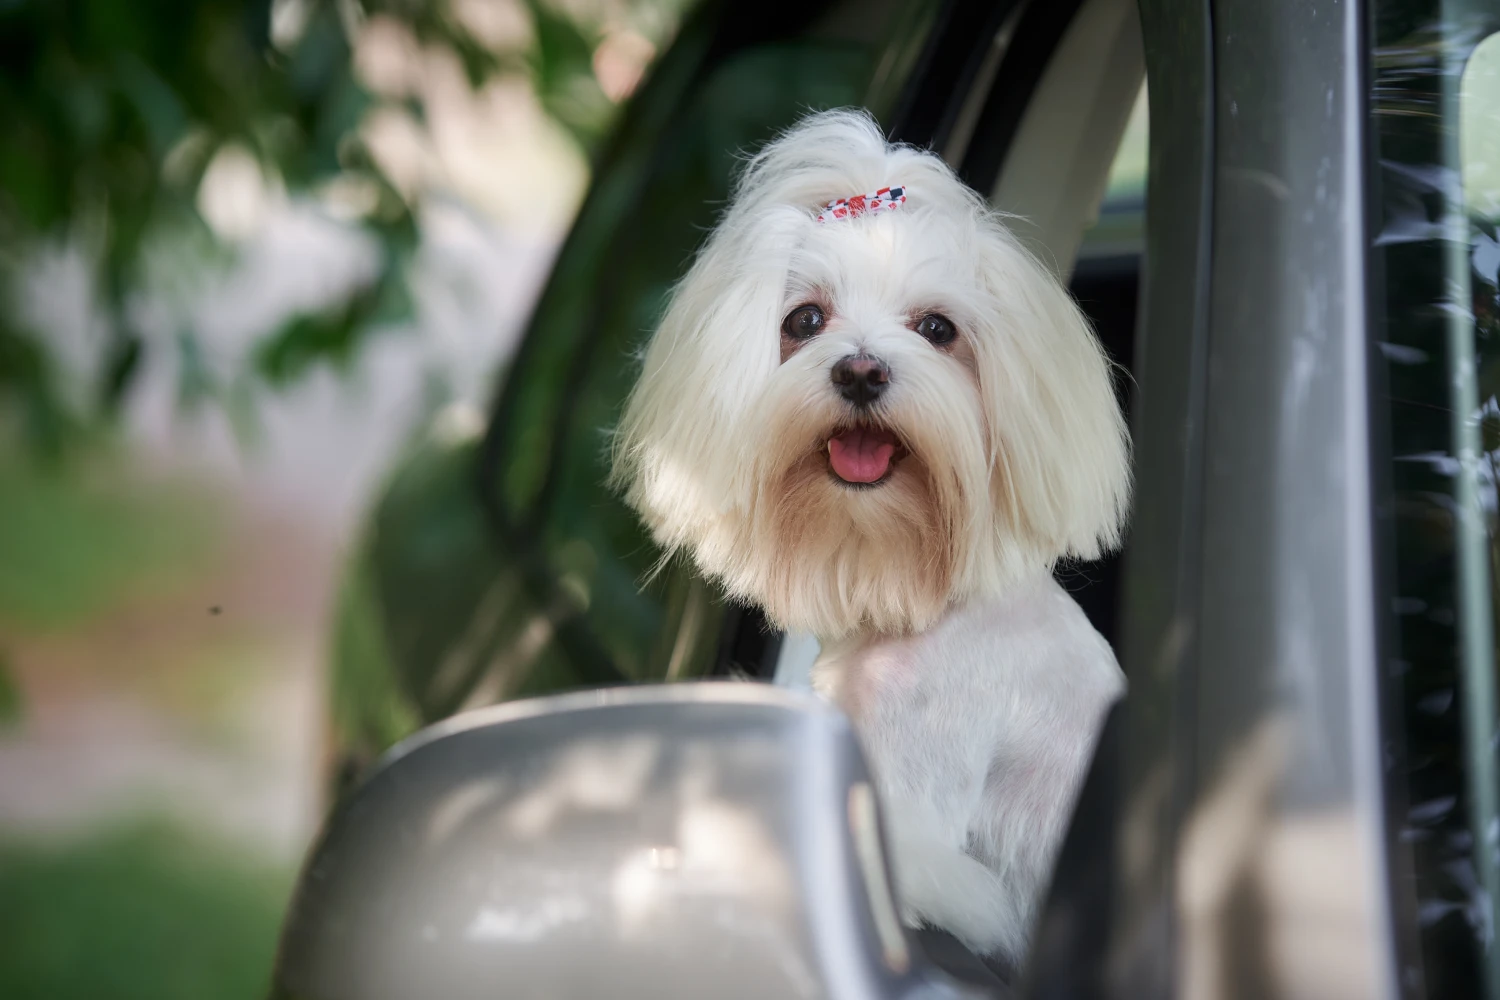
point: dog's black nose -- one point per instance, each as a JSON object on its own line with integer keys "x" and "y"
{"x": 860, "y": 378}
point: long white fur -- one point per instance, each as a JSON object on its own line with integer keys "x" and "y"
{"x": 975, "y": 683}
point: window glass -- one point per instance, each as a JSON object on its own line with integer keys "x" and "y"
{"x": 1127, "y": 176}
{"x": 1120, "y": 226}
{"x": 1435, "y": 111}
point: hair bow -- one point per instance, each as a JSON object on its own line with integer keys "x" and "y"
{"x": 885, "y": 200}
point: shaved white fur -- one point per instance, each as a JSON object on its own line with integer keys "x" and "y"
{"x": 975, "y": 683}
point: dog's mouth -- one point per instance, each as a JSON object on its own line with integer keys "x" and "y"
{"x": 863, "y": 455}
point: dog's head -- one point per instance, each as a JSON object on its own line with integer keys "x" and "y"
{"x": 855, "y": 414}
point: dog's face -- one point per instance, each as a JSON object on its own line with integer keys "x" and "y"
{"x": 854, "y": 422}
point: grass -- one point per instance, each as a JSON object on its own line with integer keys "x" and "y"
{"x": 144, "y": 913}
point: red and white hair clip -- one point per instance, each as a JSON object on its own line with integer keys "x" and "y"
{"x": 885, "y": 200}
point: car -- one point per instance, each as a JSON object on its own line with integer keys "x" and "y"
{"x": 1299, "y": 795}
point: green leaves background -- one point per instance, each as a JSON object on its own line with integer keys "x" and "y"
{"x": 114, "y": 112}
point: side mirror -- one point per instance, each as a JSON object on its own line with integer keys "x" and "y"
{"x": 693, "y": 840}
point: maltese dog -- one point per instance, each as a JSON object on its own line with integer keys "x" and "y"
{"x": 871, "y": 411}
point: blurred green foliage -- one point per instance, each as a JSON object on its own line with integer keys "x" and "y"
{"x": 114, "y": 112}
{"x": 10, "y": 696}
{"x": 370, "y": 709}
{"x": 146, "y": 913}
{"x": 76, "y": 542}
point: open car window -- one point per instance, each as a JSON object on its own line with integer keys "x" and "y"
{"x": 550, "y": 582}
{"x": 502, "y": 566}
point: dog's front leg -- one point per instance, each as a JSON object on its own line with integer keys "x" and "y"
{"x": 930, "y": 730}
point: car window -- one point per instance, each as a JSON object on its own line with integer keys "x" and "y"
{"x": 552, "y": 583}
{"x": 1127, "y": 175}
{"x": 1120, "y": 226}
{"x": 1436, "y": 117}
{"x": 497, "y": 566}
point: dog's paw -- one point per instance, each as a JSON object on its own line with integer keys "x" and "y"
{"x": 947, "y": 889}
{"x": 983, "y": 922}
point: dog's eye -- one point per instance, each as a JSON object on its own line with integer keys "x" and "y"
{"x": 938, "y": 329}
{"x": 802, "y": 322}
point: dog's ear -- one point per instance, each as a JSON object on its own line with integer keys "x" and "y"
{"x": 681, "y": 452}
{"x": 1060, "y": 447}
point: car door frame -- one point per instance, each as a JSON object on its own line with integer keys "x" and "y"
{"x": 1250, "y": 741}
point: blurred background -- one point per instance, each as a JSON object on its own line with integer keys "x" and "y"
{"x": 247, "y": 251}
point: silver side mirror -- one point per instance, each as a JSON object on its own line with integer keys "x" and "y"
{"x": 703, "y": 840}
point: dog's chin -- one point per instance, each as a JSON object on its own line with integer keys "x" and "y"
{"x": 856, "y": 540}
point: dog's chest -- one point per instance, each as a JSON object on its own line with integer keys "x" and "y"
{"x": 913, "y": 699}
{"x": 1001, "y": 680}
{"x": 972, "y": 653}
{"x": 868, "y": 680}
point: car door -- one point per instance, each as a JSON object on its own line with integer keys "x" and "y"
{"x": 1298, "y": 796}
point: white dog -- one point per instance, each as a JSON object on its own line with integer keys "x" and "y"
{"x": 871, "y": 411}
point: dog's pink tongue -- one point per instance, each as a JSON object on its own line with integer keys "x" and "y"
{"x": 861, "y": 455}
